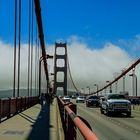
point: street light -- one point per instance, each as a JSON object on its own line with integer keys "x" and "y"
{"x": 40, "y": 60}
{"x": 97, "y": 88}
{"x": 116, "y": 86}
{"x": 134, "y": 75}
{"x": 83, "y": 90}
{"x": 123, "y": 81}
{"x": 110, "y": 86}
{"x": 89, "y": 89}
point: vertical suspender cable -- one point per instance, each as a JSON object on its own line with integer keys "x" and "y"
{"x": 29, "y": 49}
{"x": 38, "y": 58}
{"x": 36, "y": 61}
{"x": 32, "y": 48}
{"x": 19, "y": 48}
{"x": 15, "y": 36}
{"x": 71, "y": 77}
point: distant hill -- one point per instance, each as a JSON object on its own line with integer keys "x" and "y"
{"x": 22, "y": 92}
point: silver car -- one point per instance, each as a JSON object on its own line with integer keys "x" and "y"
{"x": 116, "y": 103}
{"x": 80, "y": 99}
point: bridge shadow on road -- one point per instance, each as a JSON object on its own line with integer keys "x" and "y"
{"x": 40, "y": 129}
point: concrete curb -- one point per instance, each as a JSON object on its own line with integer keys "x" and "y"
{"x": 56, "y": 132}
{"x": 59, "y": 124}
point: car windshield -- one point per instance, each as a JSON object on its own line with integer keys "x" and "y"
{"x": 93, "y": 97}
{"x": 66, "y": 97}
{"x": 83, "y": 97}
{"x": 116, "y": 96}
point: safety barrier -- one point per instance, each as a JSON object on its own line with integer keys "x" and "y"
{"x": 12, "y": 106}
{"x": 71, "y": 122}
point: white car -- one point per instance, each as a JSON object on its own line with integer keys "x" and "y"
{"x": 116, "y": 103}
{"x": 80, "y": 99}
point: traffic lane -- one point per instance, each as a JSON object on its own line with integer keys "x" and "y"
{"x": 131, "y": 123}
{"x": 105, "y": 127}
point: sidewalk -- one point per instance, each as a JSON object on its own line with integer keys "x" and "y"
{"x": 36, "y": 123}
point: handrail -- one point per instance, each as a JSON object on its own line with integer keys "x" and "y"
{"x": 85, "y": 131}
{"x": 83, "y": 128}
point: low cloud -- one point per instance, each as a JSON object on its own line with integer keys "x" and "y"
{"x": 87, "y": 64}
{"x": 7, "y": 65}
{"x": 90, "y": 66}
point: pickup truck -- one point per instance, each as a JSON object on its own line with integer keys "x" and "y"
{"x": 115, "y": 103}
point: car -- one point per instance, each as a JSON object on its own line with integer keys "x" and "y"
{"x": 134, "y": 101}
{"x": 115, "y": 103}
{"x": 92, "y": 100}
{"x": 80, "y": 99}
{"x": 102, "y": 98}
{"x": 73, "y": 96}
{"x": 66, "y": 99}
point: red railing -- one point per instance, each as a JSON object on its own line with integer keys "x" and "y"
{"x": 12, "y": 106}
{"x": 71, "y": 122}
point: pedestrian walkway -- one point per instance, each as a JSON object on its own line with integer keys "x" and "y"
{"x": 36, "y": 123}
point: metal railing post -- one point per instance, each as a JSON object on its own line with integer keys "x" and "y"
{"x": 71, "y": 129}
{"x": 0, "y": 110}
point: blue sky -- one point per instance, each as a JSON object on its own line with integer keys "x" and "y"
{"x": 100, "y": 33}
{"x": 95, "y": 21}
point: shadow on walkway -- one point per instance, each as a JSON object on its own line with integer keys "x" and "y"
{"x": 40, "y": 130}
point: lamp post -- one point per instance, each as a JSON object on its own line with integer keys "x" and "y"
{"x": 97, "y": 88}
{"x": 110, "y": 86}
{"x": 83, "y": 90}
{"x": 134, "y": 75}
{"x": 105, "y": 91}
{"x": 116, "y": 86}
{"x": 89, "y": 89}
{"x": 40, "y": 60}
{"x": 123, "y": 81}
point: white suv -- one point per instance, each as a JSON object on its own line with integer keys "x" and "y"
{"x": 116, "y": 103}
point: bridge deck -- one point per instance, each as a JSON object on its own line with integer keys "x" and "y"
{"x": 35, "y": 123}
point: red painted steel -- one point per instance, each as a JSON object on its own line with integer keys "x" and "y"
{"x": 85, "y": 131}
{"x": 41, "y": 36}
{"x": 19, "y": 104}
{"x": 5, "y": 108}
{"x": 11, "y": 106}
{"x": 83, "y": 128}
{"x": 23, "y": 103}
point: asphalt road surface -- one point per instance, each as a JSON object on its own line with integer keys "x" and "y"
{"x": 116, "y": 127}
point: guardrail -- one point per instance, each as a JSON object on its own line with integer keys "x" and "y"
{"x": 12, "y": 106}
{"x": 71, "y": 122}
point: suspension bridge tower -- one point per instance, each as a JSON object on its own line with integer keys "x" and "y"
{"x": 63, "y": 69}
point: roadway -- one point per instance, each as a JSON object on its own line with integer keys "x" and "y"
{"x": 115, "y": 127}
